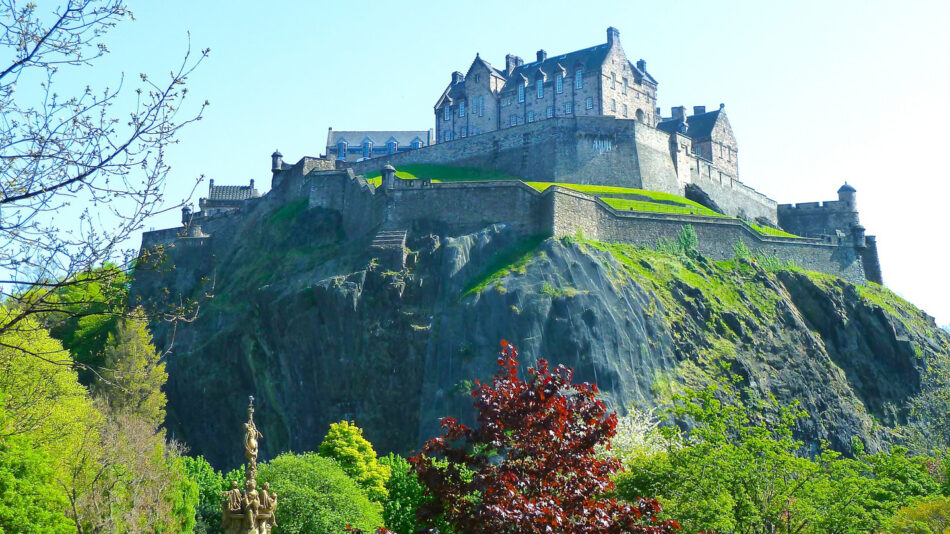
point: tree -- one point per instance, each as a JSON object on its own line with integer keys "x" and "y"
{"x": 345, "y": 443}
{"x": 93, "y": 156}
{"x": 315, "y": 496}
{"x": 210, "y": 485}
{"x": 931, "y": 516}
{"x": 405, "y": 497}
{"x": 530, "y": 465}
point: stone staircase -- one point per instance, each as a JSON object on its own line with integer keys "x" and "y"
{"x": 389, "y": 246}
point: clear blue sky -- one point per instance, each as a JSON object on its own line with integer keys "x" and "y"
{"x": 817, "y": 92}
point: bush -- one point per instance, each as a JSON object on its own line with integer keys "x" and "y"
{"x": 210, "y": 485}
{"x": 315, "y": 496}
{"x": 405, "y": 495}
{"x": 345, "y": 443}
{"x": 927, "y": 517}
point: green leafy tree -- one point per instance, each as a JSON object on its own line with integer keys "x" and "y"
{"x": 931, "y": 516}
{"x": 30, "y": 499}
{"x": 210, "y": 484}
{"x": 315, "y": 496}
{"x": 345, "y": 443}
{"x": 133, "y": 373}
{"x": 405, "y": 497}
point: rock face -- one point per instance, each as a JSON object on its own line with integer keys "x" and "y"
{"x": 318, "y": 332}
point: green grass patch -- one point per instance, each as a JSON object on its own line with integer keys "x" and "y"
{"x": 765, "y": 230}
{"x": 613, "y": 191}
{"x": 624, "y": 204}
{"x": 288, "y": 211}
{"x": 442, "y": 173}
{"x": 514, "y": 259}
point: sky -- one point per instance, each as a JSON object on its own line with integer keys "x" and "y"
{"x": 818, "y": 93}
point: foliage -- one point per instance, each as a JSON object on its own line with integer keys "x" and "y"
{"x": 345, "y": 443}
{"x": 636, "y": 436}
{"x": 133, "y": 375}
{"x": 739, "y": 470}
{"x": 80, "y": 175}
{"x": 930, "y": 516}
{"x": 530, "y": 464}
{"x": 315, "y": 496}
{"x": 405, "y": 495}
{"x": 442, "y": 173}
{"x": 30, "y": 499}
{"x": 687, "y": 240}
{"x": 502, "y": 264}
{"x": 209, "y": 484}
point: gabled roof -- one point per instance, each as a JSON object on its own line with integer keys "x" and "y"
{"x": 232, "y": 192}
{"x": 454, "y": 92}
{"x": 493, "y": 70}
{"x": 356, "y": 137}
{"x": 698, "y": 127}
{"x": 587, "y": 59}
{"x": 643, "y": 72}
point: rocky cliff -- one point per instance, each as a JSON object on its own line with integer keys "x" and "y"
{"x": 318, "y": 331}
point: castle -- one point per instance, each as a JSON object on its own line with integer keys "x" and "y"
{"x": 587, "y": 117}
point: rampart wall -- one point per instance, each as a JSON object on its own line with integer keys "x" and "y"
{"x": 816, "y": 218}
{"x": 733, "y": 196}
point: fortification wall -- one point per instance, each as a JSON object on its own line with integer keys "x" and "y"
{"x": 351, "y": 195}
{"x": 585, "y": 150}
{"x": 734, "y": 197}
{"x": 817, "y": 218}
{"x": 464, "y": 207}
{"x": 717, "y": 236}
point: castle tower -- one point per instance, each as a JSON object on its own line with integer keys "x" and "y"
{"x": 848, "y": 195}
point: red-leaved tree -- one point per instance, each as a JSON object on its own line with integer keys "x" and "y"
{"x": 529, "y": 465}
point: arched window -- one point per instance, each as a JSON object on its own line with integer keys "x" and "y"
{"x": 341, "y": 150}
{"x": 640, "y": 115}
{"x": 579, "y": 78}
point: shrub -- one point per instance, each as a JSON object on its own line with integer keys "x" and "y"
{"x": 345, "y": 443}
{"x": 315, "y": 496}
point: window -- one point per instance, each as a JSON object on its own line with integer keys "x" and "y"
{"x": 579, "y": 78}
{"x": 464, "y": 131}
{"x": 446, "y": 112}
{"x": 462, "y": 108}
{"x": 640, "y": 115}
{"x": 417, "y": 144}
{"x": 481, "y": 106}
{"x": 520, "y": 92}
{"x": 569, "y": 108}
{"x": 559, "y": 83}
{"x": 478, "y": 77}
{"x": 624, "y": 110}
{"x": 613, "y": 105}
{"x": 341, "y": 150}
{"x": 540, "y": 84}
{"x": 513, "y": 120}
{"x": 613, "y": 81}
{"x": 623, "y": 86}
{"x": 549, "y": 112}
{"x": 367, "y": 149}
{"x": 392, "y": 147}
{"x": 590, "y": 103}
{"x": 530, "y": 116}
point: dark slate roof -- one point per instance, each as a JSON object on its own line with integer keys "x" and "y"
{"x": 698, "y": 127}
{"x": 588, "y": 59}
{"x": 846, "y": 189}
{"x": 478, "y": 59}
{"x": 379, "y": 138}
{"x": 231, "y": 192}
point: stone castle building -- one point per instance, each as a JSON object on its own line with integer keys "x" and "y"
{"x": 595, "y": 81}
{"x": 584, "y": 117}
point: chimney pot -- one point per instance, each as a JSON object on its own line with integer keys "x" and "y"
{"x": 699, "y": 110}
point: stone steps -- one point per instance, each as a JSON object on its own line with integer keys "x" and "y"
{"x": 390, "y": 247}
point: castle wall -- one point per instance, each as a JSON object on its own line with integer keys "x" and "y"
{"x": 817, "y": 218}
{"x": 464, "y": 207}
{"x": 734, "y": 197}
{"x": 717, "y": 236}
{"x": 585, "y": 150}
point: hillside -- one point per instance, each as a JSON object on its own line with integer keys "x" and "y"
{"x": 318, "y": 332}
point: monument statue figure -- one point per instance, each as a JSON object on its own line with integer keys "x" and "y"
{"x": 249, "y": 511}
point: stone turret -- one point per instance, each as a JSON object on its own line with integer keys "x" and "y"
{"x": 848, "y": 195}
{"x": 388, "y": 177}
{"x": 276, "y": 161}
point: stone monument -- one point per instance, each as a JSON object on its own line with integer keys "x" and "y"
{"x": 250, "y": 511}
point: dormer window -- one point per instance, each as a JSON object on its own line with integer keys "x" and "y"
{"x": 579, "y": 78}
{"x": 367, "y": 149}
{"x": 462, "y": 108}
{"x": 416, "y": 143}
{"x": 520, "y": 92}
{"x": 392, "y": 146}
{"x": 540, "y": 84}
{"x": 559, "y": 83}
{"x": 341, "y": 150}
{"x": 447, "y": 113}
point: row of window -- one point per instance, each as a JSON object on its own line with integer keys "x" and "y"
{"x": 447, "y": 135}
{"x": 367, "y": 148}
{"x": 558, "y": 85}
{"x": 514, "y": 120}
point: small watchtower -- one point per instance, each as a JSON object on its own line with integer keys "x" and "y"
{"x": 848, "y": 195}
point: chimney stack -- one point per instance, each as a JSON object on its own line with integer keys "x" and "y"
{"x": 641, "y": 65}
{"x": 699, "y": 110}
{"x": 679, "y": 113}
{"x": 613, "y": 35}
{"x": 511, "y": 63}
{"x": 542, "y": 55}
{"x": 457, "y": 77}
